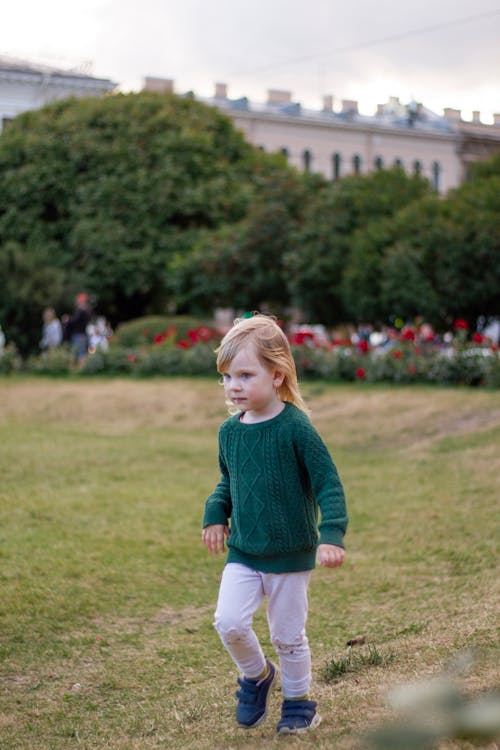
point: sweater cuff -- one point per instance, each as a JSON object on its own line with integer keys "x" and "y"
{"x": 214, "y": 516}
{"x": 332, "y": 536}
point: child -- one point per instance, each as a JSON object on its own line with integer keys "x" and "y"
{"x": 52, "y": 333}
{"x": 276, "y": 472}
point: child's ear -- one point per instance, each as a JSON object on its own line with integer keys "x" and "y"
{"x": 278, "y": 378}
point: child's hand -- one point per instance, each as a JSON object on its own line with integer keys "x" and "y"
{"x": 213, "y": 537}
{"x": 330, "y": 556}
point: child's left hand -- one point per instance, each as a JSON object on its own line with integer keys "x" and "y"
{"x": 330, "y": 556}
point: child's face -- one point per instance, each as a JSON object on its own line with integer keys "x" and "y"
{"x": 250, "y": 385}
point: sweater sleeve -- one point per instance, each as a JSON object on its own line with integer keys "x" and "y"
{"x": 218, "y": 505}
{"x": 326, "y": 486}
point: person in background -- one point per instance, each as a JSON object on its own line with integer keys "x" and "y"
{"x": 52, "y": 332}
{"x": 99, "y": 332}
{"x": 76, "y": 326}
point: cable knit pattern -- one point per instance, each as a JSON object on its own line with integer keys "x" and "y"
{"x": 275, "y": 478}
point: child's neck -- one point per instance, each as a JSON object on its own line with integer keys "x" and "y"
{"x": 252, "y": 417}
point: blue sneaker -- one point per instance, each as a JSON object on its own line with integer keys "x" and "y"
{"x": 253, "y": 697}
{"x": 298, "y": 717}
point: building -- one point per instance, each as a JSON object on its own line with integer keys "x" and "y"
{"x": 25, "y": 86}
{"x": 343, "y": 141}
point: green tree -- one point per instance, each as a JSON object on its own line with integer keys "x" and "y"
{"x": 322, "y": 248}
{"x": 242, "y": 265}
{"x": 107, "y": 190}
{"x": 437, "y": 257}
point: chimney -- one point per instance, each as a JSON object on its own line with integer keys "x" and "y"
{"x": 278, "y": 96}
{"x": 452, "y": 114}
{"x": 496, "y": 119}
{"x": 221, "y": 91}
{"x": 349, "y": 105}
{"x": 327, "y": 103}
{"x": 476, "y": 117}
{"x": 158, "y": 85}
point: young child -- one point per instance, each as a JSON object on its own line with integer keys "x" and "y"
{"x": 275, "y": 474}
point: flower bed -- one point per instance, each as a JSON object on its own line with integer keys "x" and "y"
{"x": 404, "y": 356}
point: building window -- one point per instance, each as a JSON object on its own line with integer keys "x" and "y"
{"x": 284, "y": 152}
{"x": 398, "y": 163}
{"x": 307, "y": 160}
{"x": 336, "y": 162}
{"x": 379, "y": 163}
{"x": 356, "y": 163}
{"x": 417, "y": 167}
{"x": 436, "y": 175}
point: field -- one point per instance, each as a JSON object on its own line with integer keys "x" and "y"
{"x": 107, "y": 595}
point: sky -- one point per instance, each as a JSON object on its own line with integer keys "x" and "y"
{"x": 443, "y": 53}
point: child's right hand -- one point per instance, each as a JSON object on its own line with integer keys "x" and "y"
{"x": 213, "y": 537}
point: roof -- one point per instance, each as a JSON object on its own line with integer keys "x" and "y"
{"x": 14, "y": 66}
{"x": 412, "y": 117}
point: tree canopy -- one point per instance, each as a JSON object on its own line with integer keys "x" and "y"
{"x": 154, "y": 202}
{"x": 102, "y": 192}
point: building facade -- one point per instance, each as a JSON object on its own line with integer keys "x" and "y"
{"x": 337, "y": 143}
{"x": 25, "y": 86}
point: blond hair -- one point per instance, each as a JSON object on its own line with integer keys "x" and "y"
{"x": 272, "y": 348}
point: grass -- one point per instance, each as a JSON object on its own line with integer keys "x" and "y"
{"x": 107, "y": 594}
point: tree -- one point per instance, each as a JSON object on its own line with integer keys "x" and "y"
{"x": 436, "y": 257}
{"x": 321, "y": 253}
{"x": 107, "y": 190}
{"x": 242, "y": 265}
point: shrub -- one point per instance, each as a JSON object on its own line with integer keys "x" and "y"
{"x": 52, "y": 362}
{"x": 10, "y": 361}
{"x": 143, "y": 331}
{"x": 114, "y": 361}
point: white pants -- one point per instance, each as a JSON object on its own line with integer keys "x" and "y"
{"x": 241, "y": 592}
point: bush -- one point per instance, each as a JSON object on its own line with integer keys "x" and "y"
{"x": 52, "y": 362}
{"x": 10, "y": 361}
{"x": 143, "y": 331}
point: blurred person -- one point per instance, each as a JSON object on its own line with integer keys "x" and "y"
{"x": 75, "y": 329}
{"x": 52, "y": 332}
{"x": 2, "y": 341}
{"x": 276, "y": 475}
{"x": 98, "y": 332}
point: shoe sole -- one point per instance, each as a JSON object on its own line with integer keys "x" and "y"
{"x": 302, "y": 730}
{"x": 262, "y": 719}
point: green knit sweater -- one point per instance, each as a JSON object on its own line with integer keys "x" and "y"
{"x": 276, "y": 476}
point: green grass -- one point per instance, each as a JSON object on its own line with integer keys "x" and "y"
{"x": 107, "y": 595}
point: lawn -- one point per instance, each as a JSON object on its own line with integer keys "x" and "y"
{"x": 107, "y": 595}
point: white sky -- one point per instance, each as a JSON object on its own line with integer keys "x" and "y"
{"x": 444, "y": 53}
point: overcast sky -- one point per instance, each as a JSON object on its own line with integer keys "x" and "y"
{"x": 444, "y": 53}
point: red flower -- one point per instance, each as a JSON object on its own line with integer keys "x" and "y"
{"x": 397, "y": 353}
{"x": 407, "y": 334}
{"x": 460, "y": 324}
{"x": 300, "y": 338}
{"x": 158, "y": 338}
{"x": 204, "y": 333}
{"x": 184, "y": 344}
{"x": 478, "y": 338}
{"x": 363, "y": 346}
{"x": 360, "y": 373}
{"x": 131, "y": 357}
